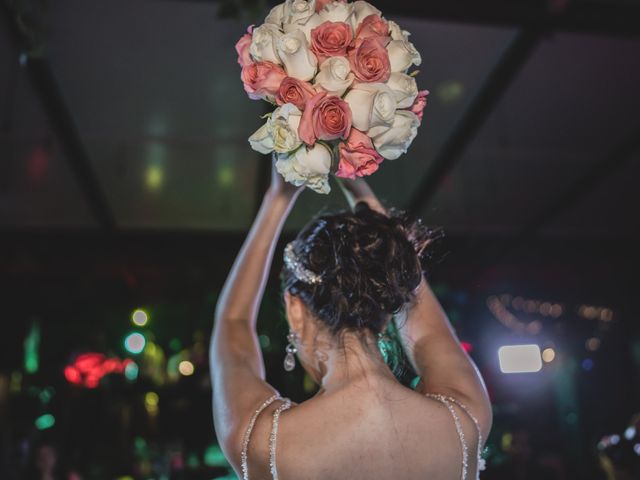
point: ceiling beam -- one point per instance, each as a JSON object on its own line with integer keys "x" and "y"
{"x": 60, "y": 119}
{"x": 617, "y": 18}
{"x": 599, "y": 17}
{"x": 497, "y": 82}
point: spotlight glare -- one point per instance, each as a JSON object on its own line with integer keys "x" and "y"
{"x": 520, "y": 359}
{"x": 186, "y": 368}
{"x": 135, "y": 343}
{"x": 139, "y": 317}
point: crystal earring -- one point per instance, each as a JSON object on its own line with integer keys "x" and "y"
{"x": 290, "y": 359}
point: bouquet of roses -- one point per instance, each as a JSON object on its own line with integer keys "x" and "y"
{"x": 339, "y": 75}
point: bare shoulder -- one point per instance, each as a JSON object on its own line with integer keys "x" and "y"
{"x": 379, "y": 434}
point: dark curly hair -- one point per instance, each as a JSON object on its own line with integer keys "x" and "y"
{"x": 370, "y": 265}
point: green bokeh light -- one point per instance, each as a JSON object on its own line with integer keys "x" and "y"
{"x": 131, "y": 371}
{"x": 135, "y": 343}
{"x": 45, "y": 421}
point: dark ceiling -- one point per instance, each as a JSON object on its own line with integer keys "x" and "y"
{"x": 131, "y": 115}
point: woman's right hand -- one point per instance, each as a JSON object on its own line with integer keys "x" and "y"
{"x": 358, "y": 190}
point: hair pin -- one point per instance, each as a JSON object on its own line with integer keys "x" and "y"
{"x": 293, "y": 263}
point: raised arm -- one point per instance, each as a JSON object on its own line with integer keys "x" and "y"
{"x": 237, "y": 368}
{"x": 429, "y": 339}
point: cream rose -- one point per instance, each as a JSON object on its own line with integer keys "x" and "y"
{"x": 335, "y": 76}
{"x": 264, "y": 45}
{"x": 307, "y": 166}
{"x": 280, "y": 133}
{"x": 405, "y": 89}
{"x": 297, "y": 12}
{"x": 299, "y": 61}
{"x": 372, "y": 105}
{"x": 314, "y": 22}
{"x": 403, "y": 54}
{"x": 276, "y": 16}
{"x": 392, "y": 142}
{"x": 337, "y": 12}
{"x": 362, "y": 10}
{"x": 396, "y": 32}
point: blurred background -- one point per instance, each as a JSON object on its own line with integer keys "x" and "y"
{"x": 127, "y": 186}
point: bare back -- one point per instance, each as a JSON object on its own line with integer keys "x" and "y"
{"x": 373, "y": 430}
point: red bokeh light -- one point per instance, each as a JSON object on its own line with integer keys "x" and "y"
{"x": 89, "y": 368}
{"x": 467, "y": 347}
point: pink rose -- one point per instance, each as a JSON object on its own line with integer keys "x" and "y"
{"x": 326, "y": 117}
{"x": 262, "y": 80}
{"x": 294, "y": 91}
{"x": 358, "y": 157}
{"x": 370, "y": 60}
{"x": 331, "y": 39}
{"x": 420, "y": 104}
{"x": 373, "y": 26}
{"x": 242, "y": 47}
{"x": 320, "y": 4}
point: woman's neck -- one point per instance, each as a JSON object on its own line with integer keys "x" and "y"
{"x": 356, "y": 359}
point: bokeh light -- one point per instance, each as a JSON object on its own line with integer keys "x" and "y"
{"x": 135, "y": 343}
{"x": 45, "y": 421}
{"x": 548, "y": 355}
{"x": 186, "y": 368}
{"x": 139, "y": 317}
{"x": 131, "y": 371}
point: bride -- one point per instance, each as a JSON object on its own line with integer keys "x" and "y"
{"x": 346, "y": 276}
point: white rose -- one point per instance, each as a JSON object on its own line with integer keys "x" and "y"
{"x": 362, "y": 10}
{"x": 405, "y": 89}
{"x": 307, "y": 166}
{"x": 403, "y": 54}
{"x": 396, "y": 32}
{"x": 298, "y": 59}
{"x": 280, "y": 133}
{"x": 337, "y": 12}
{"x": 264, "y": 44}
{"x": 372, "y": 105}
{"x": 335, "y": 76}
{"x": 276, "y": 16}
{"x": 392, "y": 142}
{"x": 313, "y": 22}
{"x": 297, "y": 12}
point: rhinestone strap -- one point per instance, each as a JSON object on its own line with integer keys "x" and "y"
{"x": 247, "y": 435}
{"x": 447, "y": 401}
{"x": 286, "y": 405}
{"x": 481, "y": 463}
{"x": 463, "y": 442}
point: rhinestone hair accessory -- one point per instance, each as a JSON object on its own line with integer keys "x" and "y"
{"x": 293, "y": 263}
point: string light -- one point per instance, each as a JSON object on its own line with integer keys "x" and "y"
{"x": 593, "y": 344}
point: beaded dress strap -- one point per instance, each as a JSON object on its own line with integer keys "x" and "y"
{"x": 273, "y": 438}
{"x": 449, "y": 402}
{"x": 247, "y": 435}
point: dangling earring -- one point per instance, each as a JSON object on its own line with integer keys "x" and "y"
{"x": 290, "y": 359}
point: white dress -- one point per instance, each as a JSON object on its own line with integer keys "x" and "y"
{"x": 448, "y": 402}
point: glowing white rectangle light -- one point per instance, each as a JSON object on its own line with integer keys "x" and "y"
{"x": 520, "y": 359}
